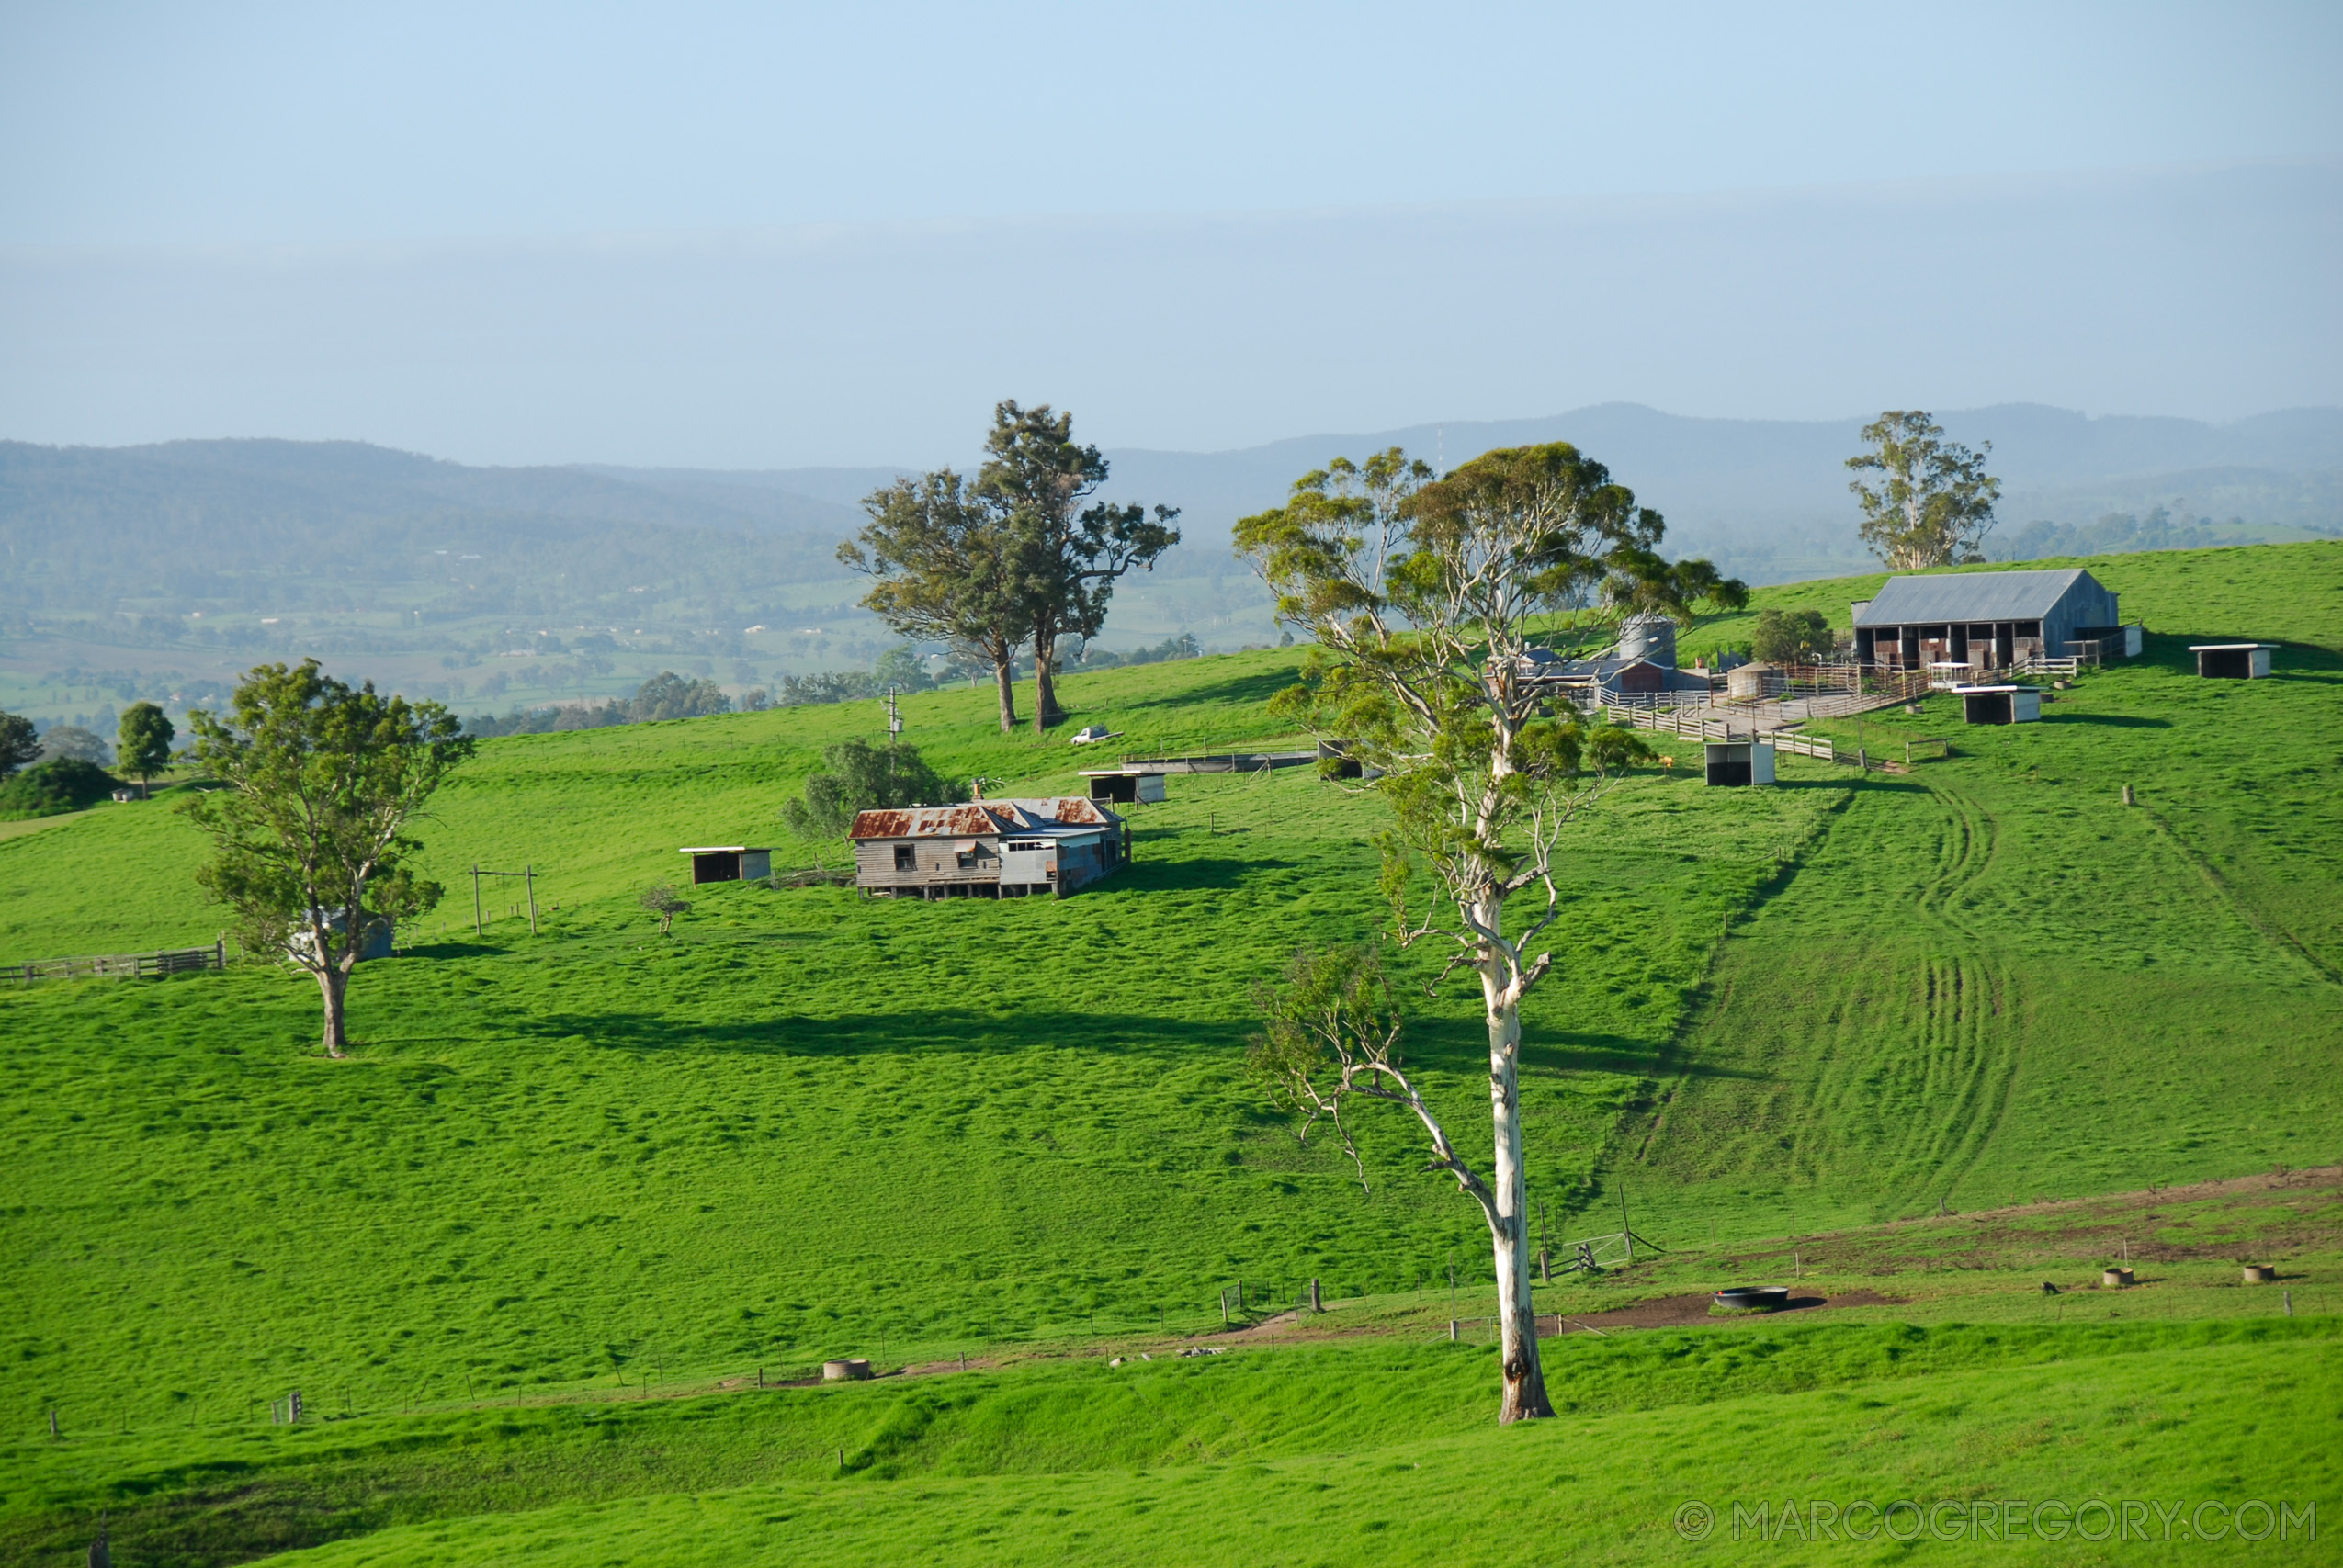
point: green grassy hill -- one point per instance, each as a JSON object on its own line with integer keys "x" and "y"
{"x": 592, "y": 1160}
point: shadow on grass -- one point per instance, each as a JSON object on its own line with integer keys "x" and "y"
{"x": 2107, "y": 720}
{"x": 1240, "y": 689}
{"x": 1440, "y": 1045}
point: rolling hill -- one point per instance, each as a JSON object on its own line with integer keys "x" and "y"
{"x": 566, "y": 1172}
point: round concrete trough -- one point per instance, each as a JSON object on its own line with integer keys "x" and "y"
{"x": 2261, "y": 1273}
{"x": 1753, "y": 1298}
{"x": 2114, "y": 1278}
{"x": 845, "y": 1371}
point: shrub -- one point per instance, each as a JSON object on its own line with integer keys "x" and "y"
{"x": 855, "y": 776}
{"x": 1800, "y": 637}
{"x": 63, "y": 784}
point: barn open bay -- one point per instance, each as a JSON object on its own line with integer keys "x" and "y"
{"x": 531, "y": 1251}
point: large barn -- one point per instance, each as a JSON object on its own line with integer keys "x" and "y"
{"x": 988, "y": 849}
{"x": 1987, "y": 620}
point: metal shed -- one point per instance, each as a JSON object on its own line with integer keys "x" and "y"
{"x": 2232, "y": 660}
{"x": 1999, "y": 704}
{"x": 728, "y": 863}
{"x": 1733, "y": 762}
{"x": 1987, "y": 619}
{"x": 1122, "y": 786}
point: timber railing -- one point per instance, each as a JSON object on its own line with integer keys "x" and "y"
{"x": 120, "y": 965}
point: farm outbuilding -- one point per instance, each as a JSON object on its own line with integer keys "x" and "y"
{"x": 2232, "y": 660}
{"x": 1989, "y": 620}
{"x": 988, "y": 849}
{"x": 1999, "y": 704}
{"x": 1736, "y": 763}
{"x": 1124, "y": 786}
{"x": 728, "y": 863}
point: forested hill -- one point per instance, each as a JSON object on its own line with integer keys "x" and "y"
{"x": 282, "y": 526}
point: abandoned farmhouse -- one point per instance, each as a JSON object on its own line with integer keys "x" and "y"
{"x": 987, "y": 848}
{"x": 1987, "y": 620}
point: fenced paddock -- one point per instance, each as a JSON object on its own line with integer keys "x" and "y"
{"x": 120, "y": 965}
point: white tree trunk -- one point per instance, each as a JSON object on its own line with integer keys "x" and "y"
{"x": 336, "y": 984}
{"x": 1525, "y": 1397}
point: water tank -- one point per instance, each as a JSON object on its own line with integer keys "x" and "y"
{"x": 1650, "y": 637}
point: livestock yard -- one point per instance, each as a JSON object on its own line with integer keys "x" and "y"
{"x": 554, "y": 1259}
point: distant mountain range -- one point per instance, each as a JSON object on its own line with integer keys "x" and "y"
{"x": 277, "y": 524}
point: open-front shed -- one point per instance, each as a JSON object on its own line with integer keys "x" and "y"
{"x": 1999, "y": 704}
{"x": 988, "y": 849}
{"x": 2232, "y": 660}
{"x": 730, "y": 863}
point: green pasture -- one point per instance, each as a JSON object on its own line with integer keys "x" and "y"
{"x": 593, "y": 1163}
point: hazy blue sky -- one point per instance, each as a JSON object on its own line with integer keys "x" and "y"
{"x": 767, "y": 235}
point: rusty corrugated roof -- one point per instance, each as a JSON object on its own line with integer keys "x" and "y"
{"x": 1058, "y": 813}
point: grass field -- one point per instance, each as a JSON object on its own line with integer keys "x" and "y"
{"x": 595, "y": 1163}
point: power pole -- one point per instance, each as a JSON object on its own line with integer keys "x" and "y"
{"x": 477, "y": 927}
{"x": 528, "y": 878}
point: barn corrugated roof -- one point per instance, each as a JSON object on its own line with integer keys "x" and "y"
{"x": 1057, "y": 814}
{"x": 1970, "y": 596}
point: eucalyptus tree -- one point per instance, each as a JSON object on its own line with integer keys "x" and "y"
{"x": 944, "y": 561}
{"x": 1424, "y": 596}
{"x": 1067, "y": 556}
{"x": 1933, "y": 502}
{"x": 319, "y": 783}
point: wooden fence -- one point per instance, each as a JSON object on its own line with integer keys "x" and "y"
{"x": 120, "y": 965}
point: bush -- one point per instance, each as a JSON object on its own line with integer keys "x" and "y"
{"x": 65, "y": 783}
{"x": 1800, "y": 637}
{"x": 855, "y": 776}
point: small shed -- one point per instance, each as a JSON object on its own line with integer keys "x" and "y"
{"x": 1122, "y": 786}
{"x": 1999, "y": 704}
{"x": 728, "y": 863}
{"x": 1749, "y": 681}
{"x": 1734, "y": 762}
{"x": 2232, "y": 660}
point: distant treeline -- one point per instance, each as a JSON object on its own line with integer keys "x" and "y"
{"x": 2121, "y": 532}
{"x": 670, "y": 695}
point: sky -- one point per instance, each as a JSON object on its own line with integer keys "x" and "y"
{"x": 769, "y": 236}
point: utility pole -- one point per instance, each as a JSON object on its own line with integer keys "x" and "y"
{"x": 528, "y": 876}
{"x": 1625, "y": 1230}
{"x": 476, "y": 921}
{"x": 894, "y": 716}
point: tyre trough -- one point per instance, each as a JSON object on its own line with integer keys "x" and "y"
{"x": 1752, "y": 1298}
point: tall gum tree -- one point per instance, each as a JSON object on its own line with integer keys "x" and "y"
{"x": 944, "y": 559}
{"x": 1423, "y": 596}
{"x": 1067, "y": 556}
{"x": 1932, "y": 501}
{"x": 317, "y": 782}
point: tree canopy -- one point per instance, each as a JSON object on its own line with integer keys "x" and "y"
{"x": 145, "y": 733}
{"x": 945, "y": 564}
{"x": 1066, "y": 557}
{"x": 19, "y": 742}
{"x": 1933, "y": 502}
{"x": 320, "y": 782}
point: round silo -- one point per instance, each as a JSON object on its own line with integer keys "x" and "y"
{"x": 1652, "y": 637}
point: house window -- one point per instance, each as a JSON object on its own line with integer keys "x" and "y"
{"x": 906, "y": 858}
{"x": 967, "y": 858}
